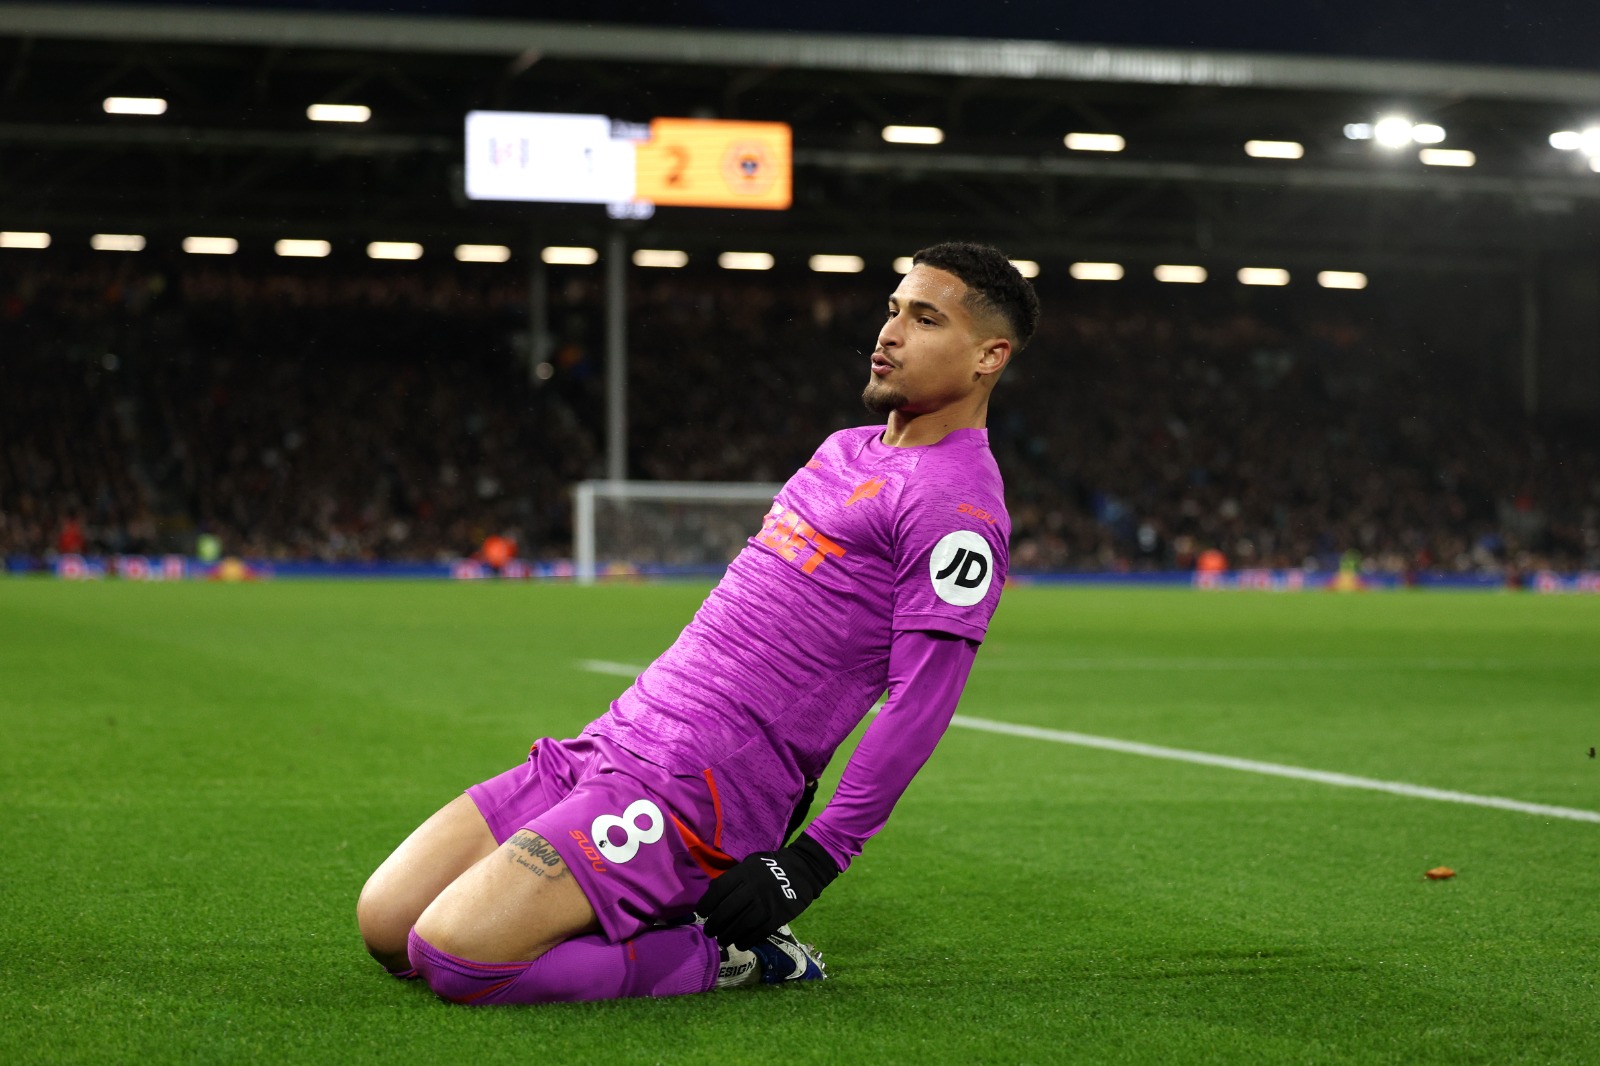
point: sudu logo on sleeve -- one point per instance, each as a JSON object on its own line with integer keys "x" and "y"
{"x": 961, "y": 568}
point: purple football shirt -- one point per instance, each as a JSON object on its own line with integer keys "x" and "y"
{"x": 791, "y": 649}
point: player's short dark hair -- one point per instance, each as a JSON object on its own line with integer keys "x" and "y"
{"x": 994, "y": 285}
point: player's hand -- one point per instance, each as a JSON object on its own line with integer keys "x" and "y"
{"x": 766, "y": 890}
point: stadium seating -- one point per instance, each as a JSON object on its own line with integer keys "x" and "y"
{"x": 330, "y": 414}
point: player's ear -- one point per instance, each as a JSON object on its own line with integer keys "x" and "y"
{"x": 994, "y": 355}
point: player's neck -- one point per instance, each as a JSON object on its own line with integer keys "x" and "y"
{"x": 931, "y": 427}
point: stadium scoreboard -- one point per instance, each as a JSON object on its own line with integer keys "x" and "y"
{"x": 593, "y": 159}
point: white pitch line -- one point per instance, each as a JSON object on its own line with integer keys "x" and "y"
{"x": 601, "y": 666}
{"x": 1227, "y": 762}
{"x": 1398, "y": 788}
{"x": 1253, "y": 665}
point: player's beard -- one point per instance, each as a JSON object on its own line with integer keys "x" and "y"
{"x": 880, "y": 399}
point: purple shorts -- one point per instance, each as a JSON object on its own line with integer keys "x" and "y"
{"x": 643, "y": 843}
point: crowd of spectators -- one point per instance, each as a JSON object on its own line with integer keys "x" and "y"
{"x": 287, "y": 416}
{"x": 408, "y": 414}
{"x": 1289, "y": 439}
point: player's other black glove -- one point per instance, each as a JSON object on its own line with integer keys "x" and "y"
{"x": 766, "y": 890}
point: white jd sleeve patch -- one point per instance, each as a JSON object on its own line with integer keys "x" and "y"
{"x": 961, "y": 568}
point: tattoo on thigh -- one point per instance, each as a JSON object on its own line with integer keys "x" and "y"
{"x": 533, "y": 853}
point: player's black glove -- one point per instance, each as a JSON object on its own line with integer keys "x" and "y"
{"x": 766, "y": 890}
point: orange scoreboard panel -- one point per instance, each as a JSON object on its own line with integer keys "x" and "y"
{"x": 694, "y": 162}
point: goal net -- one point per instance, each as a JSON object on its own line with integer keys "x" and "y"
{"x": 663, "y": 527}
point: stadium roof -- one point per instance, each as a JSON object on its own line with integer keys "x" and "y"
{"x": 234, "y": 148}
{"x": 860, "y": 53}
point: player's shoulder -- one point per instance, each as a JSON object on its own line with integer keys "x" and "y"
{"x": 959, "y": 471}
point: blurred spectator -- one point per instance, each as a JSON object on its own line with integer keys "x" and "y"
{"x": 497, "y": 551}
{"x": 71, "y": 541}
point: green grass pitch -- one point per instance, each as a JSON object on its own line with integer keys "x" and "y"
{"x": 198, "y": 778}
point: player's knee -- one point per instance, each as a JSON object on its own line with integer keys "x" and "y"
{"x": 461, "y": 934}
{"x": 384, "y": 922}
{"x": 442, "y": 930}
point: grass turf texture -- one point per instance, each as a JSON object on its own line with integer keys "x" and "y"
{"x": 198, "y": 778}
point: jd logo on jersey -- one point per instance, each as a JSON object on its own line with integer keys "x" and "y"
{"x": 969, "y": 569}
{"x": 961, "y": 568}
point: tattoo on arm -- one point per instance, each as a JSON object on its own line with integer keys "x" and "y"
{"x": 533, "y": 853}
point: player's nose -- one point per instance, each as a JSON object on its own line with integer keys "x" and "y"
{"x": 889, "y": 335}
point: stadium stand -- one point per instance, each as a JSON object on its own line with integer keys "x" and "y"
{"x": 332, "y": 414}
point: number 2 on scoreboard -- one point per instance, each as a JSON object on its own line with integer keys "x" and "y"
{"x": 680, "y": 163}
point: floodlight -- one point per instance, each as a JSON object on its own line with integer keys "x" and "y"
{"x": 1342, "y": 279}
{"x": 1392, "y": 131}
{"x": 299, "y": 249}
{"x": 1427, "y": 133}
{"x": 210, "y": 245}
{"x": 1026, "y": 267}
{"x": 1566, "y": 140}
{"x": 24, "y": 240}
{"x": 1095, "y": 142}
{"x": 117, "y": 242}
{"x": 745, "y": 261}
{"x": 1180, "y": 275}
{"x": 1358, "y": 131}
{"x": 837, "y": 264}
{"x": 134, "y": 105}
{"x": 394, "y": 250}
{"x": 338, "y": 112}
{"x": 1447, "y": 157}
{"x": 1093, "y": 271}
{"x": 913, "y": 134}
{"x": 660, "y": 257}
{"x": 482, "y": 253}
{"x": 1274, "y": 149}
{"x": 1263, "y": 276}
{"x": 558, "y": 255}
{"x": 902, "y": 264}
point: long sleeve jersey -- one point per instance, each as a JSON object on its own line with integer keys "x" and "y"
{"x": 866, "y": 551}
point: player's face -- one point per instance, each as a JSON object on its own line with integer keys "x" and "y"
{"x": 930, "y": 352}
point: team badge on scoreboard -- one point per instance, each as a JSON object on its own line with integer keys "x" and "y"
{"x": 748, "y": 168}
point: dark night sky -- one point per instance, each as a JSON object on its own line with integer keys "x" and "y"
{"x": 1549, "y": 33}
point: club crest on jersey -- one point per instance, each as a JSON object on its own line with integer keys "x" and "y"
{"x": 961, "y": 567}
{"x": 865, "y": 491}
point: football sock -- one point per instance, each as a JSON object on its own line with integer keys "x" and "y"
{"x": 672, "y": 961}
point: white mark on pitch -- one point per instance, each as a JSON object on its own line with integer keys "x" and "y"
{"x": 601, "y": 666}
{"x": 1299, "y": 773}
{"x": 1092, "y": 664}
{"x": 1227, "y": 762}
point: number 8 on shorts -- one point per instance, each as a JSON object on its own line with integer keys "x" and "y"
{"x": 600, "y": 831}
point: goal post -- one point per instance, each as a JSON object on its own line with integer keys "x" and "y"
{"x": 664, "y": 526}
